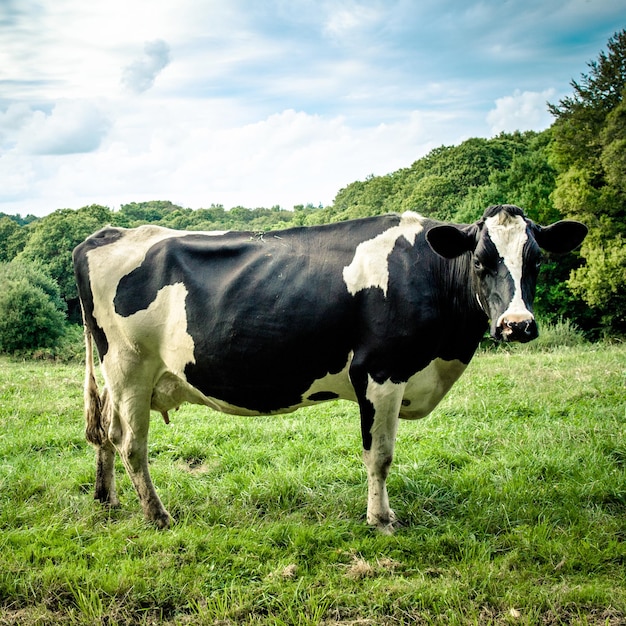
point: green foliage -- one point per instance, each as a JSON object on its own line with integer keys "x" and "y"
{"x": 18, "y": 219}
{"x": 581, "y": 118}
{"x": 554, "y": 336}
{"x": 602, "y": 281}
{"x": 588, "y": 150}
{"x": 31, "y": 309}
{"x": 529, "y": 180}
{"x": 511, "y": 497}
{"x": 436, "y": 185}
{"x": 55, "y": 236}
{"x": 555, "y": 300}
{"x": 137, "y": 213}
{"x": 434, "y": 194}
{"x": 12, "y": 238}
{"x": 613, "y": 155}
{"x": 216, "y": 217}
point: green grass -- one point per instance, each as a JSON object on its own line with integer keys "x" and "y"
{"x": 512, "y": 497}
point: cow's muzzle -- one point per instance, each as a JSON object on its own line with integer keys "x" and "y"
{"x": 517, "y": 328}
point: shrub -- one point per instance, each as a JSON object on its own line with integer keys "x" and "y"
{"x": 563, "y": 333}
{"x": 69, "y": 348}
{"x": 32, "y": 313}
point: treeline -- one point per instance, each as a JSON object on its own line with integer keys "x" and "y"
{"x": 575, "y": 169}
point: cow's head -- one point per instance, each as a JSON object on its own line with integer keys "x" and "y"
{"x": 505, "y": 260}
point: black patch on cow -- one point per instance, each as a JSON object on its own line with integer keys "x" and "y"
{"x": 359, "y": 378}
{"x": 322, "y": 396}
{"x": 367, "y": 421}
{"x": 533, "y": 257}
{"x": 494, "y": 209}
{"x": 429, "y": 311}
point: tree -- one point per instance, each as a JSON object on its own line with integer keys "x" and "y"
{"x": 31, "y": 309}
{"x": 137, "y": 213}
{"x": 588, "y": 151}
{"x": 18, "y": 219}
{"x": 433, "y": 195}
{"x": 12, "y": 238}
{"x": 436, "y": 185}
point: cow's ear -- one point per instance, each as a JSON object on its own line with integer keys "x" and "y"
{"x": 451, "y": 241}
{"x": 561, "y": 236}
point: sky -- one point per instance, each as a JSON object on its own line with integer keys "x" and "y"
{"x": 268, "y": 102}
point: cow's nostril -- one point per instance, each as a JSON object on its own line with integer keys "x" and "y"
{"x": 523, "y": 325}
{"x": 518, "y": 329}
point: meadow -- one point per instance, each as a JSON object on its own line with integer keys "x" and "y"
{"x": 512, "y": 498}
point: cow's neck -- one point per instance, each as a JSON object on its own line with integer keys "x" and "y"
{"x": 459, "y": 306}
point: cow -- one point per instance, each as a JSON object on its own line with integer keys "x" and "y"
{"x": 385, "y": 311}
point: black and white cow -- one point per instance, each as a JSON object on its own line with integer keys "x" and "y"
{"x": 385, "y": 311}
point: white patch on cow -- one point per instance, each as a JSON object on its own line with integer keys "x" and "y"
{"x": 385, "y": 398}
{"x": 425, "y": 389}
{"x": 158, "y": 333}
{"x": 164, "y": 325}
{"x": 338, "y": 383}
{"x": 480, "y": 304}
{"x": 508, "y": 234}
{"x": 369, "y": 267}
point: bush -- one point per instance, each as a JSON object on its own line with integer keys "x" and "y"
{"x": 562, "y": 334}
{"x": 32, "y": 313}
{"x": 69, "y": 348}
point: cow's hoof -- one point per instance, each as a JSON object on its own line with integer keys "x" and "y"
{"x": 111, "y": 501}
{"x": 162, "y": 521}
{"x": 386, "y": 529}
{"x": 384, "y": 524}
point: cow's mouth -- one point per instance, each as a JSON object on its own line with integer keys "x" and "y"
{"x": 520, "y": 331}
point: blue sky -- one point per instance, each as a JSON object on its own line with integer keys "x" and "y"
{"x": 258, "y": 103}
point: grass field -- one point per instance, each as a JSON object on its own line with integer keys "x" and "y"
{"x": 512, "y": 497}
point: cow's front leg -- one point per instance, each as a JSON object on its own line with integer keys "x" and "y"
{"x": 379, "y": 424}
{"x": 129, "y": 433}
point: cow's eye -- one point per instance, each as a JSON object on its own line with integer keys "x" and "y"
{"x": 478, "y": 266}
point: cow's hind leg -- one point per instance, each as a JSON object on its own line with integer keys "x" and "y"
{"x": 379, "y": 424}
{"x": 130, "y": 419}
{"x": 105, "y": 474}
{"x": 105, "y": 455}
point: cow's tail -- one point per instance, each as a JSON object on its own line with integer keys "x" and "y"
{"x": 94, "y": 427}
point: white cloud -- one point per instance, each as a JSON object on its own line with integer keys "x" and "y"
{"x": 522, "y": 111}
{"x": 18, "y": 178}
{"x": 346, "y": 20}
{"x": 14, "y": 118}
{"x": 140, "y": 75}
{"x": 292, "y": 157}
{"x": 73, "y": 126}
{"x": 196, "y": 155}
